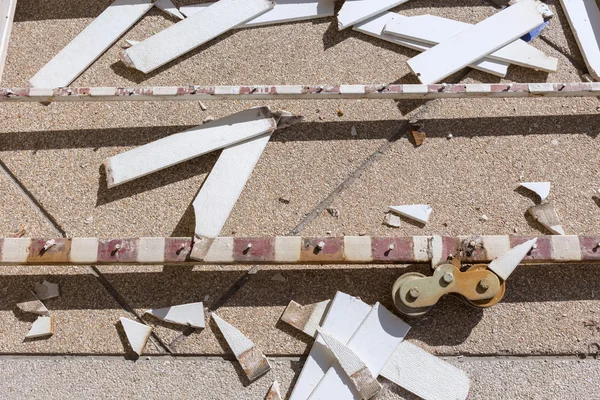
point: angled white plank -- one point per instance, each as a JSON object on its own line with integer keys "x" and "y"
{"x": 505, "y": 264}
{"x": 94, "y": 40}
{"x": 7, "y": 14}
{"x": 191, "y": 314}
{"x": 417, "y": 212}
{"x": 432, "y": 30}
{"x": 355, "y": 11}
{"x": 168, "y": 7}
{"x": 584, "y": 19}
{"x": 345, "y": 315}
{"x": 478, "y": 41}
{"x": 306, "y": 318}
{"x": 42, "y": 326}
{"x": 425, "y": 375}
{"x": 542, "y": 189}
{"x": 374, "y": 27}
{"x": 374, "y": 342}
{"x": 137, "y": 334}
{"x": 184, "y": 146}
{"x": 192, "y": 32}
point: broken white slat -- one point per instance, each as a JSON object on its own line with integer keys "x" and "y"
{"x": 432, "y": 30}
{"x": 505, "y": 264}
{"x": 46, "y": 290}
{"x": 192, "y": 32}
{"x": 360, "y": 375}
{"x": 374, "y": 342}
{"x": 94, "y": 40}
{"x": 184, "y": 146}
{"x": 42, "y": 326}
{"x": 425, "y": 375}
{"x": 29, "y": 303}
{"x": 191, "y": 314}
{"x": 253, "y": 361}
{"x": 306, "y": 318}
{"x": 417, "y": 212}
{"x": 374, "y": 27}
{"x": 355, "y": 11}
{"x": 546, "y": 215}
{"x": 542, "y": 189}
{"x": 137, "y": 334}
{"x": 7, "y": 14}
{"x": 478, "y": 41}
{"x": 274, "y": 392}
{"x": 168, "y": 7}
{"x": 345, "y": 315}
{"x": 584, "y": 19}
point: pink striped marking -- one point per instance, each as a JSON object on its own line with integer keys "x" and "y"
{"x": 177, "y": 249}
{"x": 590, "y": 251}
{"x": 402, "y": 250}
{"x": 117, "y": 250}
{"x": 262, "y": 249}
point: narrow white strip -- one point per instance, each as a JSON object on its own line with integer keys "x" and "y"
{"x": 287, "y": 248}
{"x": 584, "y": 19}
{"x": 42, "y": 92}
{"x": 151, "y": 250}
{"x": 168, "y": 7}
{"x": 289, "y": 89}
{"x": 7, "y": 14}
{"x": 164, "y": 90}
{"x": 15, "y": 250}
{"x": 352, "y": 89}
{"x": 221, "y": 251}
{"x": 415, "y": 89}
{"x": 102, "y": 91}
{"x": 84, "y": 250}
{"x": 355, "y": 11}
{"x": 540, "y": 87}
{"x": 358, "y": 248}
{"x": 137, "y": 334}
{"x": 565, "y": 248}
{"x": 495, "y": 246}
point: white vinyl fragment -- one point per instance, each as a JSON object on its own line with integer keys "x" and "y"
{"x": 542, "y": 189}
{"x": 584, "y": 19}
{"x": 546, "y": 215}
{"x": 360, "y": 375}
{"x": 505, "y": 264}
{"x": 7, "y": 14}
{"x": 274, "y": 392}
{"x": 306, "y": 318}
{"x": 417, "y": 212}
{"x": 168, "y": 7}
{"x": 94, "y": 40}
{"x": 253, "y": 361}
{"x": 191, "y": 314}
{"x": 478, "y": 41}
{"x": 46, "y": 290}
{"x": 192, "y": 32}
{"x": 355, "y": 11}
{"x": 29, "y": 303}
{"x": 42, "y": 326}
{"x": 137, "y": 334}
{"x": 184, "y": 146}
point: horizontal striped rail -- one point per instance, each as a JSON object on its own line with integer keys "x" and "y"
{"x": 273, "y": 92}
{"x": 294, "y": 250}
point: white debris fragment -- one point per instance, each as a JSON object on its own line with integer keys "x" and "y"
{"x": 505, "y": 264}
{"x": 202, "y": 106}
{"x": 542, "y": 189}
{"x": 391, "y": 220}
{"x": 274, "y": 392}
{"x": 279, "y": 278}
{"x": 49, "y": 243}
{"x": 353, "y": 131}
{"x": 191, "y": 314}
{"x": 137, "y": 334}
{"x": 417, "y": 212}
{"x": 46, "y": 290}
{"x": 554, "y": 142}
{"x": 546, "y": 215}
{"x": 42, "y": 326}
{"x": 355, "y": 11}
{"x": 89, "y": 220}
{"x": 30, "y": 303}
{"x": 584, "y": 19}
{"x": 168, "y": 7}
{"x": 306, "y": 318}
{"x": 484, "y": 218}
{"x": 208, "y": 119}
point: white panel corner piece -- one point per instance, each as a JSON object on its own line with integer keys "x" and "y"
{"x": 542, "y": 189}
{"x": 416, "y": 212}
{"x": 191, "y": 314}
{"x": 137, "y": 334}
{"x": 42, "y": 326}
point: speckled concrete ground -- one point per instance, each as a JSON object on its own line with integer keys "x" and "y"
{"x": 51, "y": 181}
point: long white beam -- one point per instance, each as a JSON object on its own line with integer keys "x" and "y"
{"x": 7, "y": 14}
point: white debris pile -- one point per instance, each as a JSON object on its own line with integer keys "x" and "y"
{"x": 31, "y": 303}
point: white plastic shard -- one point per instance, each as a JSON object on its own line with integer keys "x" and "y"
{"x": 94, "y": 40}
{"x": 191, "y": 314}
{"x": 168, "y": 7}
{"x": 192, "y": 32}
{"x": 7, "y": 14}
{"x": 30, "y": 303}
{"x": 137, "y": 334}
{"x": 274, "y": 392}
{"x": 542, "y": 189}
{"x": 478, "y": 41}
{"x": 184, "y": 146}
{"x": 431, "y": 29}
{"x": 253, "y": 361}
{"x": 505, "y": 264}
{"x": 417, "y": 212}
{"x": 584, "y": 19}
{"x": 425, "y": 375}
{"x": 46, "y": 290}
{"x": 306, "y": 318}
{"x": 360, "y": 375}
{"x": 345, "y": 315}
{"x": 546, "y": 215}
{"x": 355, "y": 11}
{"x": 374, "y": 27}
{"x": 42, "y": 326}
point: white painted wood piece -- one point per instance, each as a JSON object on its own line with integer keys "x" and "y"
{"x": 191, "y": 314}
{"x": 565, "y": 248}
{"x": 306, "y": 318}
{"x": 374, "y": 342}
{"x": 184, "y": 146}
{"x": 94, "y": 40}
{"x": 7, "y": 14}
{"x": 425, "y": 375}
{"x": 478, "y": 41}
{"x": 137, "y": 334}
{"x": 224, "y": 185}
{"x": 345, "y": 315}
{"x": 274, "y": 392}
{"x": 431, "y": 29}
{"x": 374, "y": 27}
{"x": 584, "y": 19}
{"x": 542, "y": 189}
{"x": 192, "y": 32}
{"x": 42, "y": 326}
{"x": 417, "y": 212}
{"x": 546, "y": 215}
{"x": 46, "y": 290}
{"x": 84, "y": 250}
{"x": 168, "y": 7}
{"x": 356, "y": 11}
{"x": 505, "y": 264}
{"x": 30, "y": 303}
{"x": 361, "y": 377}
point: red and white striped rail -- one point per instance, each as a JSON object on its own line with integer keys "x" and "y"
{"x": 274, "y": 92}
{"x": 294, "y": 250}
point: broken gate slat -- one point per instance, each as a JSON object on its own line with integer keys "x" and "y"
{"x": 356, "y": 11}
{"x": 7, "y": 14}
{"x": 584, "y": 19}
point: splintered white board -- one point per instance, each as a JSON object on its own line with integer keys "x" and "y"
{"x": 505, "y": 264}
{"x": 432, "y": 29}
{"x": 417, "y": 212}
{"x": 192, "y": 32}
{"x": 374, "y": 27}
{"x": 184, "y": 146}
{"x": 478, "y": 41}
{"x": 542, "y": 189}
{"x": 355, "y": 11}
{"x": 284, "y": 11}
{"x": 425, "y": 375}
{"x": 137, "y": 334}
{"x": 7, "y": 14}
{"x": 94, "y": 40}
{"x": 191, "y": 314}
{"x": 584, "y": 19}
{"x": 168, "y": 7}
{"x": 224, "y": 185}
{"x": 345, "y": 315}
{"x": 374, "y": 342}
